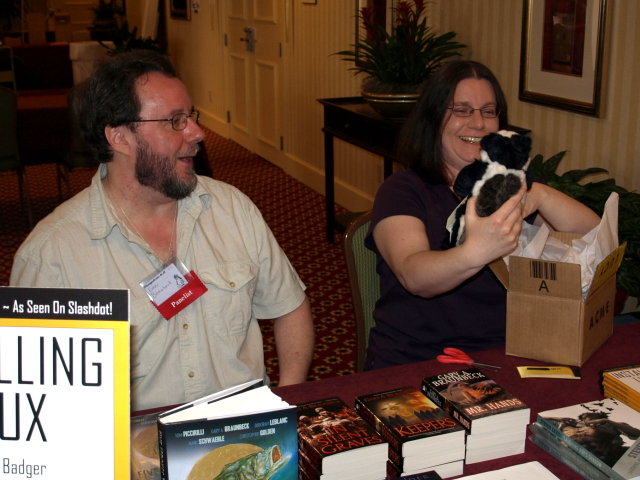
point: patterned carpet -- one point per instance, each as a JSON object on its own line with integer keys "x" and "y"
{"x": 294, "y": 212}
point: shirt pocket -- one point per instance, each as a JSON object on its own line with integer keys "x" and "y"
{"x": 231, "y": 287}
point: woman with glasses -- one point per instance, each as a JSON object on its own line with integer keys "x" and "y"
{"x": 433, "y": 298}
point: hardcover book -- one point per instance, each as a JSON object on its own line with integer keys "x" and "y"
{"x": 243, "y": 432}
{"x": 145, "y": 454}
{"x": 604, "y": 432}
{"x": 476, "y": 401}
{"x": 64, "y": 355}
{"x": 411, "y": 423}
{"x": 333, "y": 438}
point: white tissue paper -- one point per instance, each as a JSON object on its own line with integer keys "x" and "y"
{"x": 587, "y": 251}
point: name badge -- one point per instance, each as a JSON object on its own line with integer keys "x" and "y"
{"x": 173, "y": 288}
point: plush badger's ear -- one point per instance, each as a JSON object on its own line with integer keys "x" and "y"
{"x": 497, "y": 147}
{"x": 467, "y": 177}
{"x": 507, "y": 148}
{"x": 521, "y": 149}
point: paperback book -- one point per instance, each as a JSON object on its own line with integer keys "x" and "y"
{"x": 243, "y": 432}
{"x": 622, "y": 383}
{"x": 547, "y": 441}
{"x": 64, "y": 357}
{"x": 412, "y": 424}
{"x": 476, "y": 401}
{"x": 605, "y": 432}
{"x": 333, "y": 438}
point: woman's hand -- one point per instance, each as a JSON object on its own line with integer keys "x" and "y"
{"x": 495, "y": 236}
{"x": 404, "y": 246}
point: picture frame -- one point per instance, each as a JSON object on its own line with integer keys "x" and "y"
{"x": 563, "y": 54}
{"x": 180, "y": 9}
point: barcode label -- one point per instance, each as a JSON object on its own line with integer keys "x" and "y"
{"x": 544, "y": 270}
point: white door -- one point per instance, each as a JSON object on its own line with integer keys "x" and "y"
{"x": 255, "y": 38}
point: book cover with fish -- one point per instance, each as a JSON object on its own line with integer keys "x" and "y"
{"x": 249, "y": 433}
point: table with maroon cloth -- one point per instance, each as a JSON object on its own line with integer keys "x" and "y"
{"x": 538, "y": 393}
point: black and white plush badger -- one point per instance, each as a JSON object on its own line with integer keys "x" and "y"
{"x": 493, "y": 179}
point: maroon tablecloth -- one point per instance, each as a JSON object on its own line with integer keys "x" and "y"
{"x": 540, "y": 394}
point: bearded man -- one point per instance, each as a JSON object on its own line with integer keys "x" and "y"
{"x": 149, "y": 224}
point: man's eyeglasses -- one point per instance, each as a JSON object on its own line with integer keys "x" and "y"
{"x": 178, "y": 122}
{"x": 467, "y": 111}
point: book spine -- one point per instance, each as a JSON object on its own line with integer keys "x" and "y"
{"x": 623, "y": 396}
{"x": 630, "y": 383}
{"x": 396, "y": 458}
{"x": 162, "y": 452}
{"x": 434, "y": 395}
{"x": 576, "y": 447}
{"x": 385, "y": 432}
{"x": 311, "y": 454}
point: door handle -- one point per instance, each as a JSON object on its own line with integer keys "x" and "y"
{"x": 250, "y": 39}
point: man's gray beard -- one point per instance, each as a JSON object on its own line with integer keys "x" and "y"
{"x": 159, "y": 172}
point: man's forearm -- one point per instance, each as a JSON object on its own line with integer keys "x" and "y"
{"x": 294, "y": 336}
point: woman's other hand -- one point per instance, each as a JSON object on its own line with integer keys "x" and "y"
{"x": 492, "y": 237}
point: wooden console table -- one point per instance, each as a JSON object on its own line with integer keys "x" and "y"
{"x": 351, "y": 119}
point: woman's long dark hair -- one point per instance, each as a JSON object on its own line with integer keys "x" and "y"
{"x": 420, "y": 140}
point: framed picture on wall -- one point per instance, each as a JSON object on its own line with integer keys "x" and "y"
{"x": 180, "y": 9}
{"x": 563, "y": 54}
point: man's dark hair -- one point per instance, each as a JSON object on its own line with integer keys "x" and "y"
{"x": 420, "y": 141}
{"x": 109, "y": 96}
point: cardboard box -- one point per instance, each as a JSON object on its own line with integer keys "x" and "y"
{"x": 547, "y": 319}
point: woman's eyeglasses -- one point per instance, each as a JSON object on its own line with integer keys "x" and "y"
{"x": 467, "y": 111}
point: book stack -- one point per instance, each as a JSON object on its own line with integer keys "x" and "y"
{"x": 598, "y": 439}
{"x": 622, "y": 383}
{"x": 335, "y": 443}
{"x": 245, "y": 431}
{"x": 421, "y": 435}
{"x": 495, "y": 421}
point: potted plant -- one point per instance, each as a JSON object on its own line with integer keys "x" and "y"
{"x": 594, "y": 195}
{"x": 398, "y": 62}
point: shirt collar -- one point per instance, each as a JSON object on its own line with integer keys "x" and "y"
{"x": 103, "y": 219}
